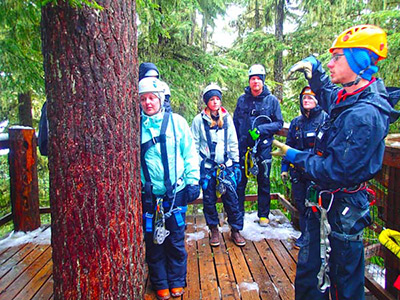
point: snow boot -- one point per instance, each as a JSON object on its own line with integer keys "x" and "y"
{"x": 214, "y": 240}
{"x": 163, "y": 294}
{"x": 177, "y": 292}
{"x": 237, "y": 238}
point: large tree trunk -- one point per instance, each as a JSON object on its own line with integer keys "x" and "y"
{"x": 278, "y": 65}
{"x": 257, "y": 18}
{"x": 193, "y": 29}
{"x": 204, "y": 34}
{"x": 90, "y": 63}
{"x": 25, "y": 109}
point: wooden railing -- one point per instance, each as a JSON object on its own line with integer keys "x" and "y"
{"x": 25, "y": 204}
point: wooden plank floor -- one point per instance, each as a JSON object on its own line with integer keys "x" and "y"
{"x": 26, "y": 271}
{"x": 260, "y": 270}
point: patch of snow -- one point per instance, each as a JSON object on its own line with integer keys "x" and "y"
{"x": 225, "y": 228}
{"x": 195, "y": 236}
{"x": 378, "y": 273}
{"x": 3, "y": 125}
{"x": 20, "y": 127}
{"x": 37, "y": 236}
{"x": 395, "y": 144}
{"x": 276, "y": 229}
{"x": 247, "y": 286}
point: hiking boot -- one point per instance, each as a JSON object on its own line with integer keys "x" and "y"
{"x": 177, "y": 292}
{"x": 263, "y": 221}
{"x": 237, "y": 238}
{"x": 163, "y": 294}
{"x": 299, "y": 242}
{"x": 214, "y": 240}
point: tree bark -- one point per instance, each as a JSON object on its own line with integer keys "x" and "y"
{"x": 193, "y": 29}
{"x": 25, "y": 109}
{"x": 204, "y": 34}
{"x": 278, "y": 64}
{"x": 90, "y": 64}
{"x": 257, "y": 19}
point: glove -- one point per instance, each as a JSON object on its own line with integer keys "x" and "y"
{"x": 255, "y": 134}
{"x": 238, "y": 172}
{"x": 192, "y": 192}
{"x": 284, "y": 176}
{"x": 282, "y": 148}
{"x": 306, "y": 66}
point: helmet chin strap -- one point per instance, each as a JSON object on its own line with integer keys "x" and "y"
{"x": 357, "y": 80}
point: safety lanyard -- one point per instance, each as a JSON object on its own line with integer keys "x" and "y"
{"x": 212, "y": 145}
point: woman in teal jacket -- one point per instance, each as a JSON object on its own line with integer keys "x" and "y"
{"x": 170, "y": 175}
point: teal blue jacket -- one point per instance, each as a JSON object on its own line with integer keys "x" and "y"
{"x": 187, "y": 165}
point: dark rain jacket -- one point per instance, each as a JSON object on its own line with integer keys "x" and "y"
{"x": 350, "y": 145}
{"x": 303, "y": 130}
{"x": 43, "y": 137}
{"x": 250, "y": 112}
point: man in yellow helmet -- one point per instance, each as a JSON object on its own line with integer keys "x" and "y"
{"x": 348, "y": 151}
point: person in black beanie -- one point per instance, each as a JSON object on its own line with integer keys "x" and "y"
{"x": 217, "y": 146}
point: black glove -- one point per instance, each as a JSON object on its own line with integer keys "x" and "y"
{"x": 192, "y": 192}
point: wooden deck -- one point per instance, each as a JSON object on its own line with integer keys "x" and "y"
{"x": 260, "y": 270}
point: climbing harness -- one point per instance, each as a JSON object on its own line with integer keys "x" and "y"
{"x": 210, "y": 168}
{"x": 314, "y": 200}
{"x": 223, "y": 182}
{"x": 250, "y": 160}
{"x": 324, "y": 281}
{"x": 160, "y": 232}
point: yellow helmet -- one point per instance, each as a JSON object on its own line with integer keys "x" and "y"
{"x": 370, "y": 37}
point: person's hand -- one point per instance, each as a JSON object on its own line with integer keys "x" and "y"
{"x": 284, "y": 176}
{"x": 192, "y": 192}
{"x": 302, "y": 66}
{"x": 238, "y": 172}
{"x": 255, "y": 134}
{"x": 282, "y": 148}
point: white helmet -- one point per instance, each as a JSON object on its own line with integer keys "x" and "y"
{"x": 154, "y": 86}
{"x": 210, "y": 87}
{"x": 256, "y": 70}
{"x": 167, "y": 91}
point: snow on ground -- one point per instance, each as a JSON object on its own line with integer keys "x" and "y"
{"x": 201, "y": 232}
{"x": 195, "y": 236}
{"x": 378, "y": 273}
{"x": 247, "y": 286}
{"x": 37, "y": 236}
{"x": 278, "y": 228}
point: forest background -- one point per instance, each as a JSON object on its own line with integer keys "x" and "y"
{"x": 178, "y": 37}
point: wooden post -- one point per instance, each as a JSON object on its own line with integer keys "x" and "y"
{"x": 23, "y": 178}
{"x": 392, "y": 160}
